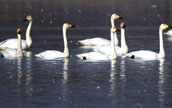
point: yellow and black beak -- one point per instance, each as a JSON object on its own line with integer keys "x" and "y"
{"x": 18, "y": 31}
{"x": 167, "y": 26}
{"x": 116, "y": 29}
{"x": 118, "y": 17}
{"x": 71, "y": 26}
{"x": 27, "y": 18}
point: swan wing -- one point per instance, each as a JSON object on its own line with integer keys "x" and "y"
{"x": 95, "y": 42}
{"x": 50, "y": 54}
{"x": 9, "y": 53}
{"x": 108, "y": 49}
{"x": 143, "y": 54}
{"x": 12, "y": 44}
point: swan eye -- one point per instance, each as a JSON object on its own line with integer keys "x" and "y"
{"x": 166, "y": 26}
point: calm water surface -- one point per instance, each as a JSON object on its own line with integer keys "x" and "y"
{"x": 71, "y": 83}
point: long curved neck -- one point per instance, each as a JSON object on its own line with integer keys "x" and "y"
{"x": 116, "y": 41}
{"x": 112, "y": 22}
{"x": 113, "y": 51}
{"x": 161, "y": 45}
{"x": 19, "y": 47}
{"x": 28, "y": 37}
{"x": 66, "y": 50}
{"x": 124, "y": 47}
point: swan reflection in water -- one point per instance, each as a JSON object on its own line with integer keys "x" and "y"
{"x": 19, "y": 82}
{"x": 65, "y": 80}
{"x": 161, "y": 82}
{"x": 22, "y": 74}
{"x": 116, "y": 79}
{"x": 28, "y": 73}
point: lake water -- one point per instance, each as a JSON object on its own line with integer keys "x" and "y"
{"x": 71, "y": 83}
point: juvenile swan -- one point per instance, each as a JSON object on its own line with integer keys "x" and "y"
{"x": 120, "y": 50}
{"x": 101, "y": 56}
{"x": 12, "y": 43}
{"x": 101, "y": 41}
{"x": 150, "y": 55}
{"x": 54, "y": 54}
{"x": 13, "y": 53}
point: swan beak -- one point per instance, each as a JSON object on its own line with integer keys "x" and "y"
{"x": 120, "y": 18}
{"x": 18, "y": 31}
{"x": 27, "y": 18}
{"x": 170, "y": 27}
{"x": 71, "y": 26}
{"x": 118, "y": 30}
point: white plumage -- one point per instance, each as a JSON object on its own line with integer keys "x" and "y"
{"x": 13, "y": 53}
{"x": 99, "y": 55}
{"x": 150, "y": 55}
{"x": 101, "y": 41}
{"x": 119, "y": 50}
{"x": 12, "y": 43}
{"x": 55, "y": 54}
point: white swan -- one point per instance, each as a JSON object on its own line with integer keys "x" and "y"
{"x": 13, "y": 53}
{"x": 54, "y": 54}
{"x": 120, "y": 50}
{"x": 98, "y": 55}
{"x": 101, "y": 41}
{"x": 150, "y": 55}
{"x": 12, "y": 43}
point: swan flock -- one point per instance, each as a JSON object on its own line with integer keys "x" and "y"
{"x": 103, "y": 49}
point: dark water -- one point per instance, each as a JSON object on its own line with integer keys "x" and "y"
{"x": 72, "y": 83}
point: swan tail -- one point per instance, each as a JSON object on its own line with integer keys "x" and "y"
{"x": 38, "y": 55}
{"x": 130, "y": 56}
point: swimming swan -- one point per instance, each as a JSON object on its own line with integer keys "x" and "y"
{"x": 12, "y": 43}
{"x": 119, "y": 50}
{"x": 150, "y": 55}
{"x": 13, "y": 53}
{"x": 101, "y": 41}
{"x": 98, "y": 55}
{"x": 54, "y": 54}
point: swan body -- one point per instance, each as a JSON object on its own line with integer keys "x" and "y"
{"x": 119, "y": 50}
{"x": 150, "y": 55}
{"x": 101, "y": 41}
{"x": 95, "y": 42}
{"x": 12, "y": 43}
{"x": 50, "y": 54}
{"x": 98, "y": 55}
{"x": 13, "y": 53}
{"x": 169, "y": 33}
{"x": 55, "y": 54}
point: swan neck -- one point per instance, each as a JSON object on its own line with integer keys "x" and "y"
{"x": 28, "y": 37}
{"x": 66, "y": 50}
{"x": 115, "y": 38}
{"x": 112, "y": 22}
{"x": 161, "y": 44}
{"x": 113, "y": 51}
{"x": 19, "y": 48}
{"x": 124, "y": 46}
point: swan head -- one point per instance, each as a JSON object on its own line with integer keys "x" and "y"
{"x": 28, "y": 18}
{"x": 115, "y": 16}
{"x": 114, "y": 29}
{"x": 164, "y": 26}
{"x": 122, "y": 25}
{"x": 18, "y": 31}
{"x": 67, "y": 25}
